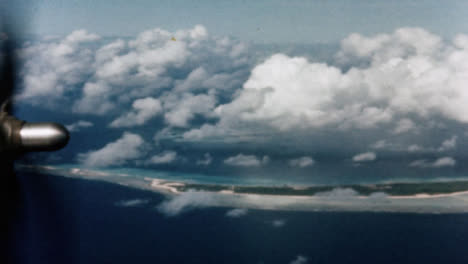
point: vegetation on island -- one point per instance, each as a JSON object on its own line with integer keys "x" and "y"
{"x": 390, "y": 188}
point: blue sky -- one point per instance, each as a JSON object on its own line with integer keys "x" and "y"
{"x": 261, "y": 21}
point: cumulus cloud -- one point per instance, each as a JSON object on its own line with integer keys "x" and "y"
{"x": 187, "y": 75}
{"x": 209, "y": 88}
{"x": 236, "y": 213}
{"x": 438, "y": 163}
{"x": 77, "y": 126}
{"x": 182, "y": 109}
{"x": 302, "y": 162}
{"x": 207, "y": 159}
{"x": 365, "y": 157}
{"x": 164, "y": 158}
{"x": 299, "y": 260}
{"x": 128, "y": 147}
{"x": 54, "y": 68}
{"x": 246, "y": 160}
{"x": 143, "y": 110}
{"x": 393, "y": 79}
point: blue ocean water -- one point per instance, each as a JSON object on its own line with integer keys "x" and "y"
{"x": 63, "y": 220}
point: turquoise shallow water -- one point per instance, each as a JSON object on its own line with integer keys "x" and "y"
{"x": 182, "y": 177}
{"x": 243, "y": 180}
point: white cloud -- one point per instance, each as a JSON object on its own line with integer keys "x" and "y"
{"x": 385, "y": 85}
{"x": 95, "y": 99}
{"x": 438, "y": 163}
{"x": 186, "y": 201}
{"x": 163, "y": 158}
{"x": 75, "y": 127}
{"x": 128, "y": 147}
{"x": 444, "y": 162}
{"x": 236, "y": 213}
{"x": 365, "y": 157}
{"x": 302, "y": 162}
{"x": 53, "y": 68}
{"x": 404, "y": 125}
{"x": 448, "y": 144}
{"x": 98, "y": 76}
{"x": 81, "y": 35}
{"x": 181, "y": 109}
{"x": 207, "y": 159}
{"x": 143, "y": 110}
{"x": 299, "y": 260}
{"x": 406, "y": 75}
{"x": 246, "y": 160}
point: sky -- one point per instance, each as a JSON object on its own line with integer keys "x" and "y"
{"x": 263, "y": 21}
{"x": 349, "y": 91}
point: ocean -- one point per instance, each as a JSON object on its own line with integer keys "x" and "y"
{"x": 65, "y": 220}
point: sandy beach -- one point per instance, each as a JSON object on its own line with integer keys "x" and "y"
{"x": 334, "y": 200}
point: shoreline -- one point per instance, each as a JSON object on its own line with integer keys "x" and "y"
{"x": 336, "y": 199}
{"x": 171, "y": 186}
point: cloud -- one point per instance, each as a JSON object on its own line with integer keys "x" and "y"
{"x": 438, "y": 163}
{"x": 365, "y": 157}
{"x": 236, "y": 213}
{"x": 302, "y": 162}
{"x": 143, "y": 110}
{"x": 448, "y": 144}
{"x": 444, "y": 162}
{"x": 53, "y": 68}
{"x": 93, "y": 100}
{"x": 246, "y": 160}
{"x": 81, "y": 35}
{"x": 299, "y": 260}
{"x": 278, "y": 223}
{"x": 132, "y": 203}
{"x": 77, "y": 126}
{"x": 185, "y": 201}
{"x": 217, "y": 90}
{"x": 380, "y": 144}
{"x": 207, "y": 159}
{"x": 101, "y": 76}
{"x": 128, "y": 147}
{"x": 404, "y": 125}
{"x": 415, "y": 148}
{"x": 180, "y": 110}
{"x": 391, "y": 81}
{"x": 163, "y": 158}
